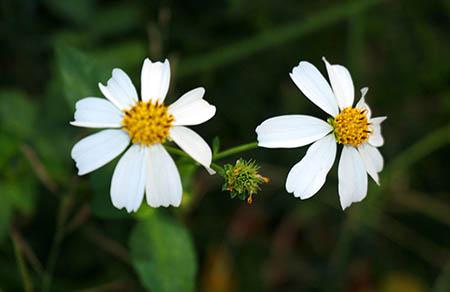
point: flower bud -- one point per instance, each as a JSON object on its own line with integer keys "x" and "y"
{"x": 242, "y": 179}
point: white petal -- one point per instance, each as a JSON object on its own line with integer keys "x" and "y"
{"x": 364, "y": 106}
{"x": 375, "y": 137}
{"x": 155, "y": 78}
{"x": 364, "y": 91}
{"x": 308, "y": 176}
{"x": 291, "y": 131}
{"x": 210, "y": 171}
{"x": 342, "y": 84}
{"x": 192, "y": 144}
{"x": 372, "y": 160}
{"x": 163, "y": 187}
{"x": 94, "y": 112}
{"x": 314, "y": 86}
{"x": 377, "y": 120}
{"x": 96, "y": 150}
{"x": 192, "y": 109}
{"x": 128, "y": 181}
{"x": 352, "y": 177}
{"x": 120, "y": 90}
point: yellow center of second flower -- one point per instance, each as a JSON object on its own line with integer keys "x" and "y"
{"x": 147, "y": 123}
{"x": 351, "y": 126}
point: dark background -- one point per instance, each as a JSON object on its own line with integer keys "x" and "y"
{"x": 59, "y": 232}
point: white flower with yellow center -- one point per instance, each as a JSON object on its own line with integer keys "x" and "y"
{"x": 146, "y": 167}
{"x": 351, "y": 126}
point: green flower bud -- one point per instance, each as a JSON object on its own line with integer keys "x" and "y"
{"x": 242, "y": 179}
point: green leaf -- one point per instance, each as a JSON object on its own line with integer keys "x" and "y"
{"x": 216, "y": 145}
{"x": 9, "y": 146}
{"x": 80, "y": 74}
{"x": 101, "y": 204}
{"x": 127, "y": 55}
{"x": 16, "y": 196}
{"x": 17, "y": 113}
{"x": 116, "y": 19}
{"x": 163, "y": 254}
{"x": 77, "y": 11}
{"x": 187, "y": 168}
{"x": 6, "y": 211}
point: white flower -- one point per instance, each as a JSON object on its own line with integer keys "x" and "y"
{"x": 351, "y": 126}
{"x": 147, "y": 123}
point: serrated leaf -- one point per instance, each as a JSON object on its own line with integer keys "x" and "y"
{"x": 163, "y": 254}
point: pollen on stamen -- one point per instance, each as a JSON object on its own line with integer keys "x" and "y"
{"x": 147, "y": 123}
{"x": 351, "y": 126}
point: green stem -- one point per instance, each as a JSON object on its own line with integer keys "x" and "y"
{"x": 27, "y": 284}
{"x": 63, "y": 212}
{"x": 178, "y": 152}
{"x": 235, "y": 150}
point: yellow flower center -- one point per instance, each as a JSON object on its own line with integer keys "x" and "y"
{"x": 147, "y": 123}
{"x": 351, "y": 126}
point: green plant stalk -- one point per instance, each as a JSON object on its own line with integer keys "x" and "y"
{"x": 27, "y": 284}
{"x": 65, "y": 205}
{"x": 178, "y": 152}
{"x": 220, "y": 155}
{"x": 235, "y": 150}
{"x": 274, "y": 37}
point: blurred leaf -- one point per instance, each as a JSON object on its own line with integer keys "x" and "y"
{"x": 116, "y": 19}
{"x": 273, "y": 37}
{"x": 101, "y": 204}
{"x": 442, "y": 283}
{"x": 187, "y": 168}
{"x": 20, "y": 194}
{"x": 15, "y": 196}
{"x": 399, "y": 282}
{"x": 9, "y": 147}
{"x": 17, "y": 114}
{"x": 163, "y": 255}
{"x": 6, "y": 211}
{"x": 77, "y": 11}
{"x": 145, "y": 211}
{"x": 215, "y": 145}
{"x": 125, "y": 55}
{"x": 80, "y": 74}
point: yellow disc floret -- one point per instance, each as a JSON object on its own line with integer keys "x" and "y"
{"x": 147, "y": 123}
{"x": 351, "y": 126}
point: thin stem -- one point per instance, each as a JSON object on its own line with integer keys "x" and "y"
{"x": 217, "y": 167}
{"x": 27, "y": 284}
{"x": 178, "y": 152}
{"x": 54, "y": 252}
{"x": 65, "y": 206}
{"x": 235, "y": 150}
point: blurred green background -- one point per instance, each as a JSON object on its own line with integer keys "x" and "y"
{"x": 59, "y": 232}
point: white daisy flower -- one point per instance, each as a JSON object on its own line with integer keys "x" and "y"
{"x": 351, "y": 126}
{"x": 147, "y": 123}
